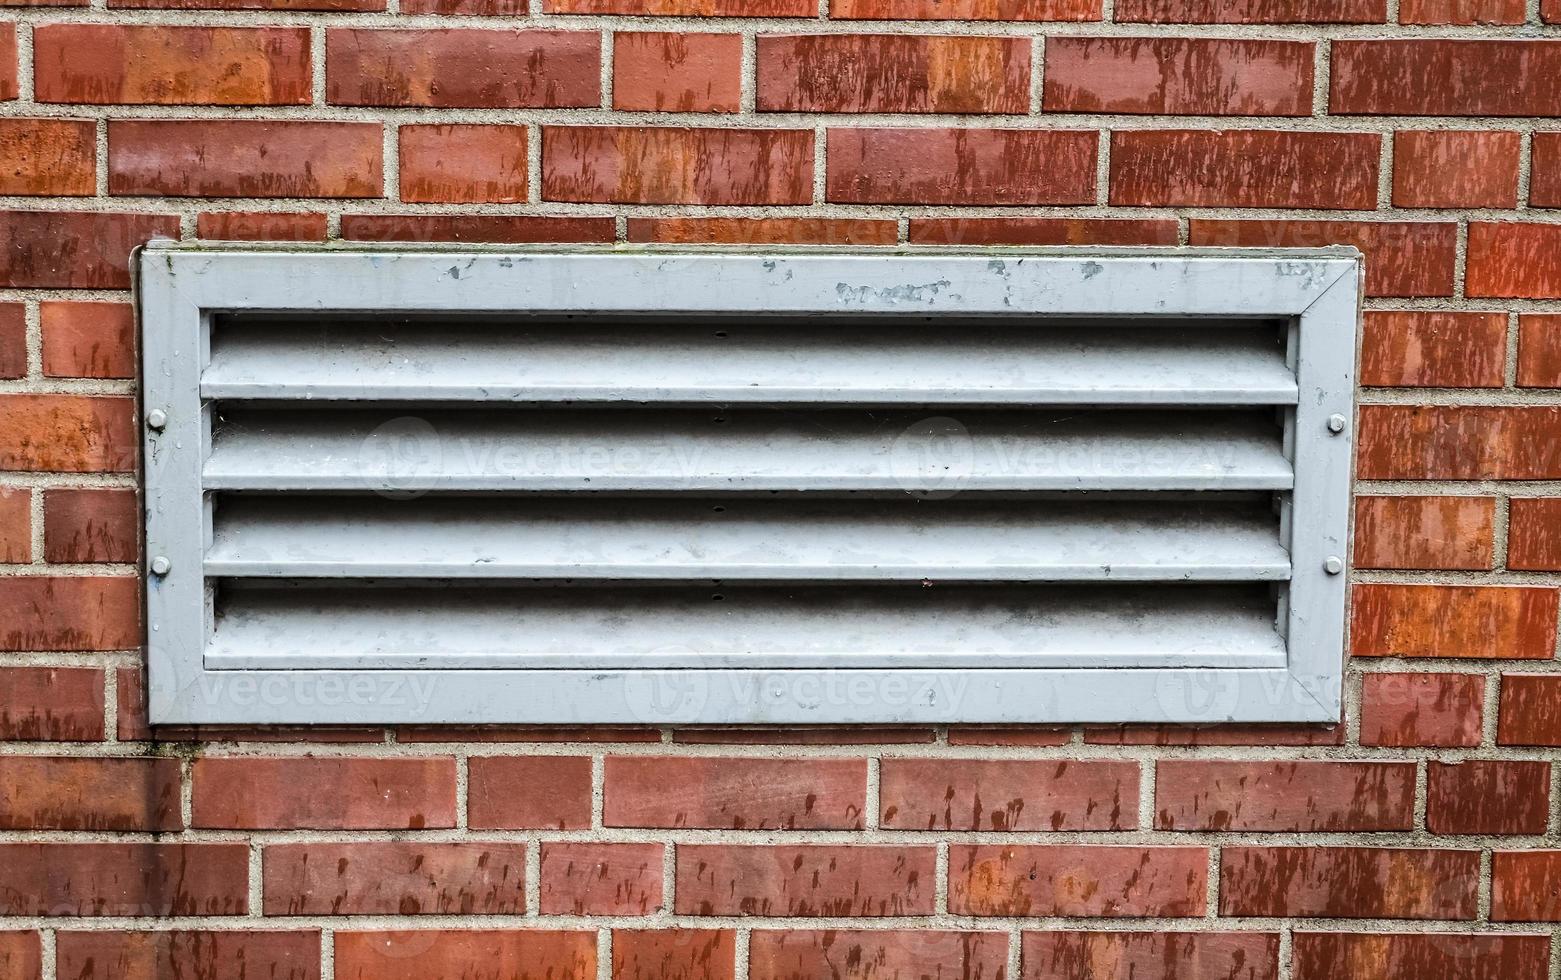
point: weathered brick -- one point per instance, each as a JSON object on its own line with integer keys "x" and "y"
{"x": 1514, "y": 260}
{"x": 8, "y": 86}
{"x": 805, "y": 735}
{"x": 1550, "y": 11}
{"x": 13, "y": 341}
{"x": 1444, "y": 77}
{"x": 1465, "y": 621}
{"x": 1253, "y": 11}
{"x": 463, "y": 163}
{"x": 1403, "y": 258}
{"x": 1291, "y": 796}
{"x": 272, "y": 954}
{"x": 1418, "y": 956}
{"x": 1003, "y": 10}
{"x": 1425, "y": 532}
{"x": 527, "y": 733}
{"x": 323, "y": 6}
{"x": 455, "y": 954}
{"x": 1253, "y": 168}
{"x": 601, "y": 879}
{"x": 88, "y": 340}
{"x": 466, "y": 8}
{"x": 146, "y": 65}
{"x": 763, "y": 231}
{"x": 323, "y": 792}
{"x": 21, "y": 955}
{"x": 1077, "y": 880}
{"x": 16, "y": 530}
{"x": 1441, "y": 169}
{"x": 75, "y": 250}
{"x": 124, "y": 879}
{"x": 1462, "y": 12}
{"x": 51, "y": 704}
{"x": 536, "y": 792}
{"x": 1413, "y": 710}
{"x": 677, "y": 72}
{"x": 455, "y": 68}
{"x": 260, "y": 226}
{"x": 893, "y": 73}
{"x": 62, "y": 793}
{"x": 1043, "y": 231}
{"x": 1539, "y": 351}
{"x": 804, "y": 880}
{"x": 244, "y": 158}
{"x": 1488, "y": 797}
{"x": 1017, "y": 794}
{"x": 1219, "y": 733}
{"x": 1349, "y": 882}
{"x": 1526, "y": 887}
{"x": 1534, "y": 534}
{"x": 1150, "y": 955}
{"x": 961, "y": 166}
{"x": 644, "y": 165}
{"x": 74, "y": 613}
{"x": 1179, "y": 76}
{"x": 687, "y": 8}
{"x": 1415, "y": 442}
{"x": 1530, "y": 710}
{"x": 792, "y": 954}
{"x": 1025, "y": 735}
{"x": 1545, "y": 177}
{"x": 474, "y": 228}
{"x": 67, "y": 433}
{"x": 395, "y": 878}
{"x": 739, "y": 794}
{"x": 674, "y": 954}
{"x": 1433, "y": 349}
{"x": 48, "y": 157}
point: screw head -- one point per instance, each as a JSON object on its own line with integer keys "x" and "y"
{"x": 161, "y": 565}
{"x": 1336, "y": 423}
{"x": 1333, "y": 565}
{"x": 156, "y": 419}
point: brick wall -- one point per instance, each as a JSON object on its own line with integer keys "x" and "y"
{"x": 1420, "y": 839}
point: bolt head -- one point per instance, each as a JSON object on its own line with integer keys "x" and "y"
{"x": 1333, "y": 565}
{"x": 156, "y": 419}
{"x": 1336, "y": 423}
{"x": 161, "y": 565}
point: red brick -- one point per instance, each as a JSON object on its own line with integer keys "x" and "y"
{"x": 75, "y": 613}
{"x": 764, "y": 231}
{"x": 737, "y": 794}
{"x": 806, "y": 735}
{"x": 52, "y": 793}
{"x": 526, "y": 733}
{"x": 1465, "y": 621}
{"x": 687, "y": 8}
{"x": 961, "y": 166}
{"x": 1514, "y": 260}
{"x": 1539, "y": 351}
{"x": 1545, "y": 179}
{"x": 805, "y": 880}
{"x": 121, "y": 64}
{"x": 244, "y": 158}
{"x": 1419, "y": 956}
{"x": 1179, "y": 76}
{"x": 601, "y": 879}
{"x": 48, "y": 157}
{"x": 677, "y": 72}
{"x": 8, "y": 86}
{"x": 323, "y": 792}
{"x": 674, "y": 954}
{"x": 88, "y": 340}
{"x": 1008, "y": 794}
{"x": 273, "y": 954}
{"x": 1252, "y": 169}
{"x": 1526, "y": 886}
{"x": 1530, "y": 711}
{"x": 644, "y": 165}
{"x": 1253, "y": 11}
{"x": 450, "y": 954}
{"x": 13, "y": 341}
{"x": 1002, "y": 10}
{"x": 395, "y": 878}
{"x": 1221, "y": 733}
{"x": 468, "y": 164}
{"x": 466, "y": 8}
{"x": 74, "y": 250}
{"x": 260, "y": 226}
{"x": 1425, "y": 532}
{"x": 124, "y": 879}
{"x": 893, "y": 73}
{"x": 1077, "y": 880}
{"x": 21, "y": 955}
{"x": 455, "y": 68}
{"x": 16, "y": 531}
{"x": 1043, "y": 231}
{"x": 1443, "y": 77}
{"x": 474, "y": 228}
{"x": 1414, "y": 710}
{"x": 1462, "y": 12}
{"x": 1533, "y": 541}
{"x": 51, "y": 704}
{"x": 326, "y": 6}
{"x": 1550, "y": 11}
{"x": 1150, "y": 955}
{"x": 1403, "y": 258}
{"x": 1284, "y": 796}
{"x": 793, "y": 954}
{"x": 1349, "y": 882}
{"x": 537, "y": 792}
{"x": 1433, "y": 349}
{"x": 1488, "y": 797}
{"x": 1414, "y": 442}
{"x": 1025, "y": 735}
{"x": 67, "y": 433}
{"x": 1442, "y": 169}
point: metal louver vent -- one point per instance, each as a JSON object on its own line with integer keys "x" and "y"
{"x": 825, "y": 487}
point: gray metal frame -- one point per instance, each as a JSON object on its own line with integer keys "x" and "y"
{"x": 180, "y": 287}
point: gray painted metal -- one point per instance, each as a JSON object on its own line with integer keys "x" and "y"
{"x": 269, "y": 612}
